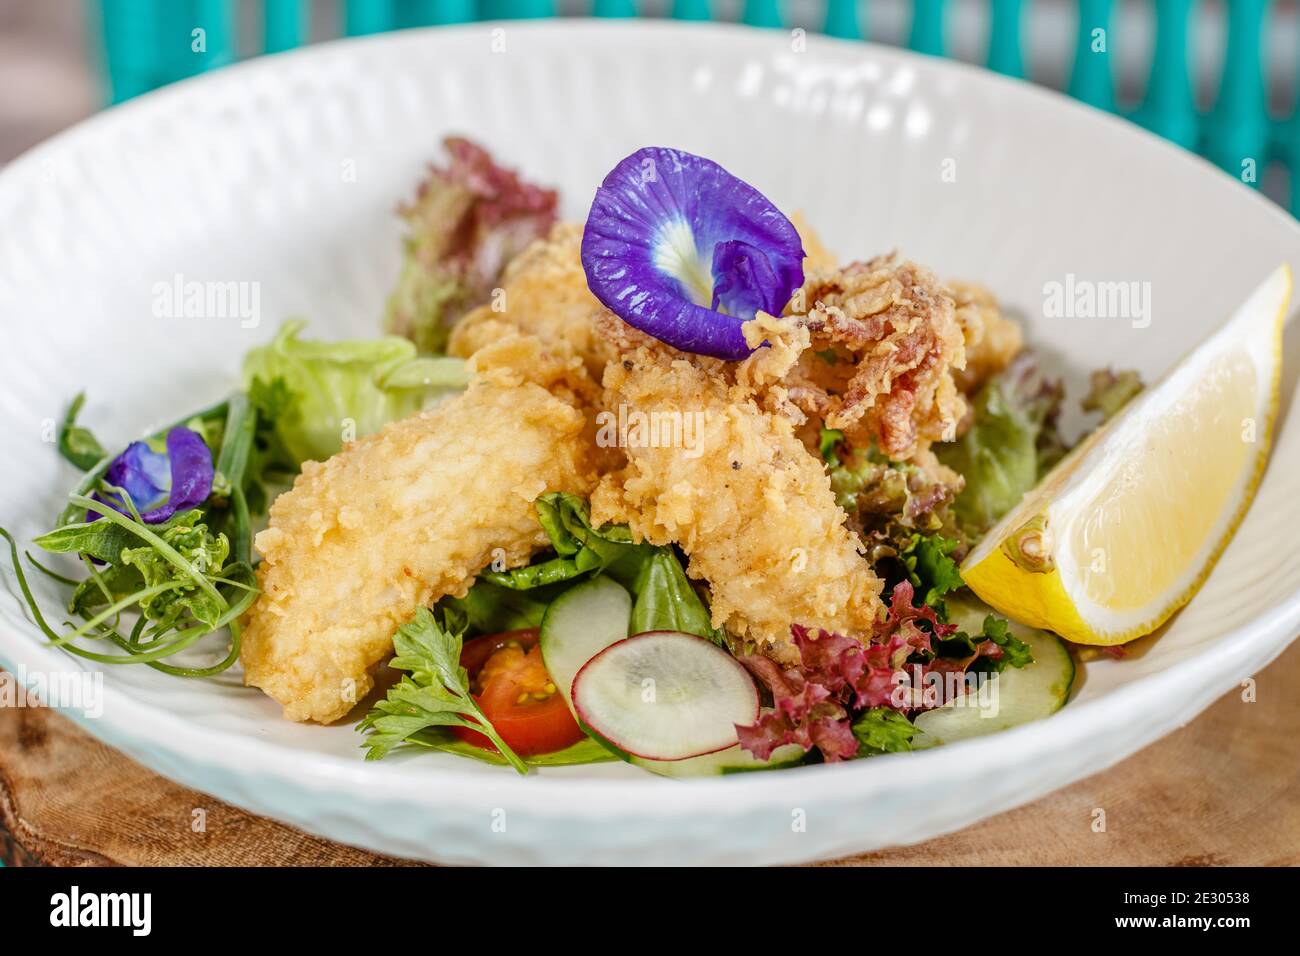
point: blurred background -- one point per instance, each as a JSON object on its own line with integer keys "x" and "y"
{"x": 1215, "y": 76}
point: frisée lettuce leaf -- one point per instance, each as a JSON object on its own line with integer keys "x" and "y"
{"x": 338, "y": 391}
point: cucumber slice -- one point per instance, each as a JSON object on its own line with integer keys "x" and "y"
{"x": 665, "y": 695}
{"x": 578, "y": 625}
{"x": 1022, "y": 694}
{"x": 732, "y": 760}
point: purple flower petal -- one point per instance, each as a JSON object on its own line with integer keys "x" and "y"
{"x": 161, "y": 484}
{"x": 684, "y": 251}
{"x": 745, "y": 280}
{"x": 142, "y": 473}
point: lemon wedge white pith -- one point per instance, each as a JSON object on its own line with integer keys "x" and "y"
{"x": 1125, "y": 530}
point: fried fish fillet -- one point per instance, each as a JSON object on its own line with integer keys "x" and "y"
{"x": 730, "y": 482}
{"x": 544, "y": 293}
{"x": 401, "y": 518}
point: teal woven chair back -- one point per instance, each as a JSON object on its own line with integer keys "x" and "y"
{"x": 1238, "y": 133}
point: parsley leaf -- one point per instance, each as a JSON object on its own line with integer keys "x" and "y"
{"x": 1015, "y": 652}
{"x": 434, "y": 692}
{"x": 930, "y": 569}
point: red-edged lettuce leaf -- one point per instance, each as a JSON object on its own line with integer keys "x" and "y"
{"x": 469, "y": 219}
{"x": 814, "y": 701}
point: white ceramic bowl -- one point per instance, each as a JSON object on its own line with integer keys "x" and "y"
{"x": 284, "y": 172}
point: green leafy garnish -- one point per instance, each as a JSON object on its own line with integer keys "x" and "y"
{"x": 186, "y": 577}
{"x": 1015, "y": 652}
{"x": 144, "y": 569}
{"x": 468, "y": 219}
{"x": 489, "y": 608}
{"x": 76, "y": 443}
{"x": 1109, "y": 391}
{"x": 663, "y": 598}
{"x": 579, "y": 548}
{"x": 888, "y": 501}
{"x": 930, "y": 569}
{"x": 434, "y": 692}
{"x": 329, "y": 392}
{"x": 204, "y": 422}
{"x": 828, "y": 441}
{"x": 882, "y": 730}
{"x": 584, "y": 751}
{"x": 1011, "y": 444}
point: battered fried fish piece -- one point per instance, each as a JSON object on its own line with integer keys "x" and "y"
{"x": 816, "y": 255}
{"x": 401, "y": 518}
{"x": 992, "y": 339}
{"x": 738, "y": 492}
{"x": 544, "y": 293}
{"x": 886, "y": 343}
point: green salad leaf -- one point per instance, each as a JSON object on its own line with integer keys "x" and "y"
{"x": 1011, "y": 443}
{"x": 76, "y": 443}
{"x": 468, "y": 219}
{"x": 883, "y": 730}
{"x": 930, "y": 569}
{"x": 663, "y": 597}
{"x": 489, "y": 608}
{"x": 184, "y": 578}
{"x": 887, "y": 501}
{"x": 170, "y": 594}
{"x": 664, "y": 600}
{"x": 434, "y": 693}
{"x": 1015, "y": 652}
{"x": 579, "y": 548}
{"x": 330, "y": 391}
{"x": 204, "y": 552}
{"x": 102, "y": 540}
{"x": 1109, "y": 391}
{"x": 827, "y": 443}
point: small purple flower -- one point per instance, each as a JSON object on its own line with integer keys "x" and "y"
{"x": 161, "y": 484}
{"x": 682, "y": 250}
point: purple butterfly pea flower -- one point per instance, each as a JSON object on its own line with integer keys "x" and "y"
{"x": 682, "y": 250}
{"x": 161, "y": 484}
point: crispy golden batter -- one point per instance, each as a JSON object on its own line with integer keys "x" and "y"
{"x": 885, "y": 345}
{"x": 815, "y": 254}
{"x": 544, "y": 294}
{"x": 401, "y": 518}
{"x": 992, "y": 339}
{"x": 740, "y": 494}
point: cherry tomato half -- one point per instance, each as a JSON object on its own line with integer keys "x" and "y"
{"x": 509, "y": 681}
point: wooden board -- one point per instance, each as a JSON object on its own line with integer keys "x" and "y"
{"x": 1220, "y": 791}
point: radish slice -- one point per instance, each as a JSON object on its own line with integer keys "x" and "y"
{"x": 665, "y": 695}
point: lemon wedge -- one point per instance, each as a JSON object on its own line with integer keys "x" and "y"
{"x": 1127, "y": 527}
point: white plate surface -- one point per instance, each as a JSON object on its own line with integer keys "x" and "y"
{"x": 284, "y": 172}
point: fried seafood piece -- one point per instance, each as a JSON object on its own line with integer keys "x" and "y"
{"x": 401, "y": 518}
{"x": 816, "y": 255}
{"x": 992, "y": 339}
{"x": 729, "y": 481}
{"x": 544, "y": 293}
{"x": 886, "y": 343}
